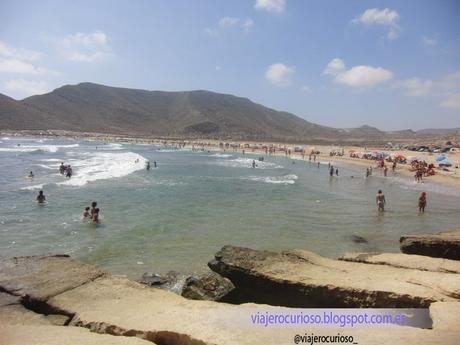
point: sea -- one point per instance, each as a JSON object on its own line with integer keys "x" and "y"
{"x": 178, "y": 215}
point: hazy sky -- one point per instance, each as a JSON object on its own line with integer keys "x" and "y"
{"x": 390, "y": 64}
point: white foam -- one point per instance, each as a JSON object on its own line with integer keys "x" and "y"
{"x": 286, "y": 179}
{"x": 36, "y": 148}
{"x": 45, "y": 166}
{"x": 221, "y": 155}
{"x": 34, "y": 187}
{"x": 51, "y": 160}
{"x": 103, "y": 166}
{"x": 247, "y": 163}
{"x": 111, "y": 147}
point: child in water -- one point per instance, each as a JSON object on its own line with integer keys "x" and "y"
{"x": 86, "y": 214}
{"x": 422, "y": 202}
{"x": 96, "y": 216}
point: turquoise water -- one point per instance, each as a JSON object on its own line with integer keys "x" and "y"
{"x": 177, "y": 216}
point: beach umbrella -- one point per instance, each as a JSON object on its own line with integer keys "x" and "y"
{"x": 440, "y": 158}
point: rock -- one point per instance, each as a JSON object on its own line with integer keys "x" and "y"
{"x": 358, "y": 239}
{"x": 440, "y": 245}
{"x": 172, "y": 281}
{"x": 304, "y": 279}
{"x": 12, "y": 312}
{"x": 209, "y": 287}
{"x": 55, "y": 335}
{"x": 445, "y": 316}
{"x": 41, "y": 277}
{"x": 418, "y": 262}
{"x": 136, "y": 313}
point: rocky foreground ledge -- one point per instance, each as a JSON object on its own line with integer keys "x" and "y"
{"x": 57, "y": 300}
{"x": 440, "y": 245}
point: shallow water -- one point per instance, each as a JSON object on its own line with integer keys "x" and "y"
{"x": 178, "y": 215}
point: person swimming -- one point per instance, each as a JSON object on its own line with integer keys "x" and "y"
{"x": 95, "y": 217}
{"x": 41, "y": 197}
{"x": 422, "y": 202}
{"x": 31, "y": 174}
{"x": 86, "y": 213}
{"x": 380, "y": 200}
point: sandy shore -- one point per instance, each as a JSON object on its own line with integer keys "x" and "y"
{"x": 451, "y": 177}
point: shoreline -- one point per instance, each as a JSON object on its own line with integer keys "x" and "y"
{"x": 444, "y": 178}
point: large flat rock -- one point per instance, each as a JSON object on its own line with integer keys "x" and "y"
{"x": 445, "y": 316}
{"x": 135, "y": 313}
{"x": 440, "y": 245}
{"x": 304, "y": 279}
{"x": 14, "y": 313}
{"x": 118, "y": 306}
{"x": 56, "y": 335}
{"x": 418, "y": 262}
{"x": 41, "y": 277}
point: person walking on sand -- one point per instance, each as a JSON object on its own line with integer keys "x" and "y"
{"x": 380, "y": 200}
{"x": 41, "y": 197}
{"x": 422, "y": 202}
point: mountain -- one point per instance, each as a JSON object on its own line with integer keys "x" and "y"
{"x": 91, "y": 107}
{"x": 94, "y": 108}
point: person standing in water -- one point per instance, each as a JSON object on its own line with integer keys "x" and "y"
{"x": 154, "y": 164}
{"x": 385, "y": 171}
{"x": 69, "y": 172}
{"x": 41, "y": 197}
{"x": 337, "y": 172}
{"x": 147, "y": 165}
{"x": 380, "y": 200}
{"x": 253, "y": 164}
{"x": 86, "y": 213}
{"x": 31, "y": 174}
{"x": 367, "y": 172}
{"x": 331, "y": 171}
{"x": 422, "y": 202}
{"x": 93, "y": 208}
{"x": 96, "y": 216}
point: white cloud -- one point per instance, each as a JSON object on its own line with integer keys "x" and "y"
{"x": 26, "y": 87}
{"x": 306, "y": 88}
{"x": 218, "y": 68}
{"x": 334, "y": 67}
{"x": 274, "y": 6}
{"x": 279, "y": 74}
{"x": 416, "y": 86}
{"x": 452, "y": 101}
{"x": 86, "y": 47}
{"x": 386, "y": 17}
{"x": 248, "y": 24}
{"x": 8, "y": 51}
{"x": 230, "y": 22}
{"x": 357, "y": 76}
{"x": 428, "y": 41}
{"x": 22, "y": 67}
{"x": 227, "y": 22}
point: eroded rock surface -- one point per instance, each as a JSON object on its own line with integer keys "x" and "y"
{"x": 209, "y": 287}
{"x": 303, "y": 279}
{"x": 41, "y": 277}
{"x": 440, "y": 245}
{"x": 418, "y": 262}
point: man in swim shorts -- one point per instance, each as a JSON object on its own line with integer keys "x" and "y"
{"x": 380, "y": 200}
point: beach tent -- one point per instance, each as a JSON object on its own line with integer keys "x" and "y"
{"x": 440, "y": 158}
{"x": 445, "y": 163}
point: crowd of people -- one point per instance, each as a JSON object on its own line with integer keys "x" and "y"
{"x": 421, "y": 169}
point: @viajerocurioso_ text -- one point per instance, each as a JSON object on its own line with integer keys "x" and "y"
{"x": 311, "y": 339}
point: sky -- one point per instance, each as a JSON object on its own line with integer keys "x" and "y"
{"x": 389, "y": 64}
